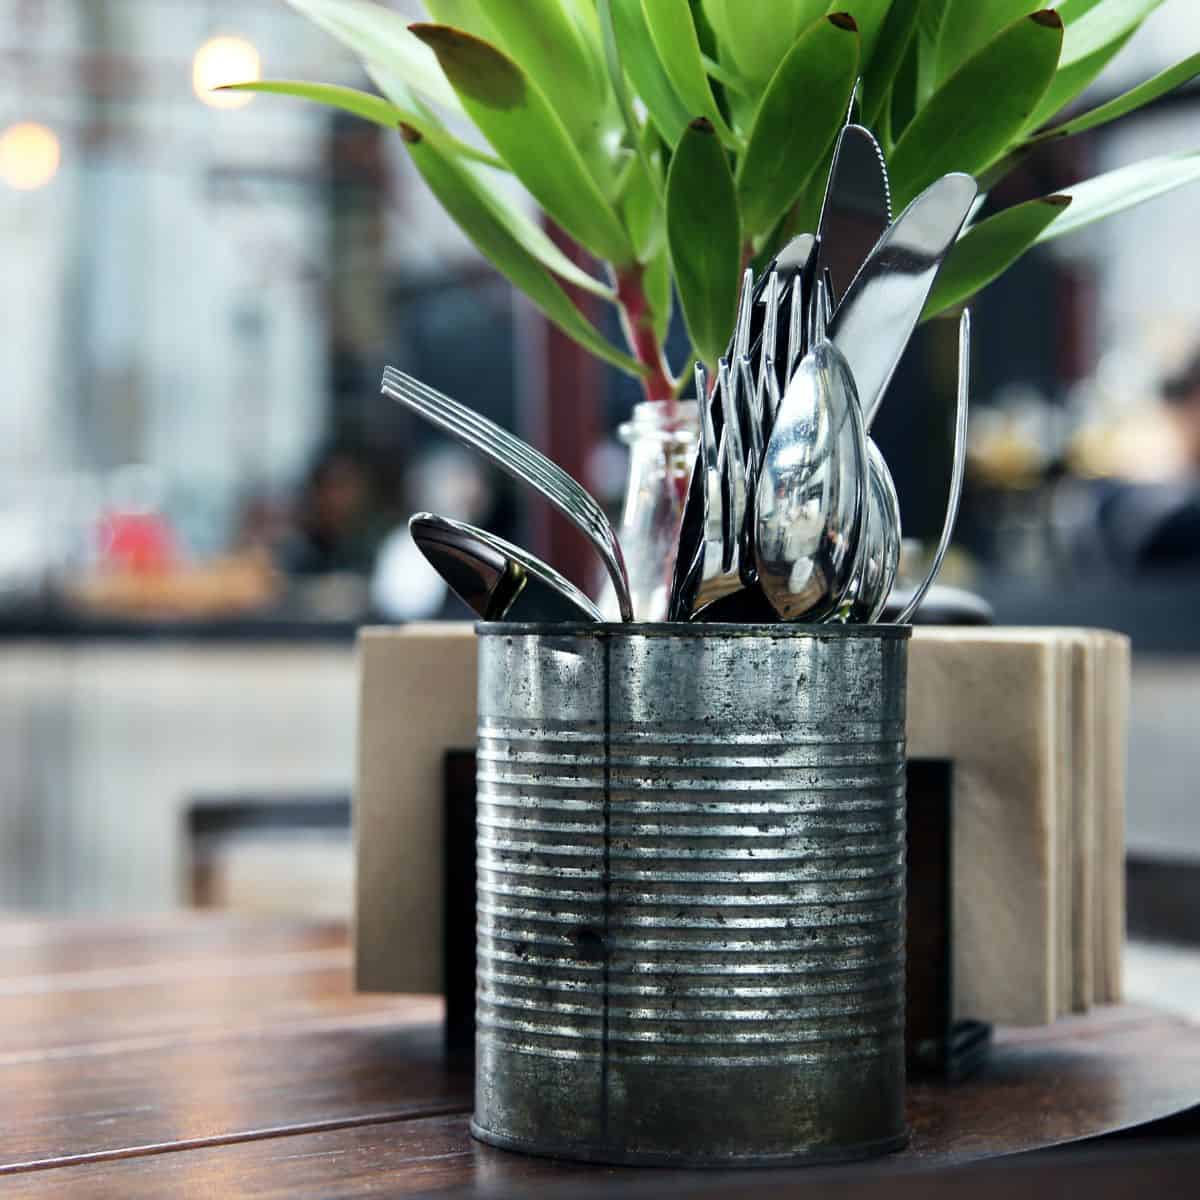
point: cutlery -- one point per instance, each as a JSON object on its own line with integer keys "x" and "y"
{"x": 522, "y": 462}
{"x": 958, "y": 467}
{"x": 872, "y": 587}
{"x": 857, "y": 208}
{"x": 495, "y": 579}
{"x": 695, "y": 560}
{"x": 705, "y": 509}
{"x": 881, "y": 307}
{"x": 811, "y": 499}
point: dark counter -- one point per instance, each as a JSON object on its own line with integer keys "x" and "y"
{"x": 51, "y": 622}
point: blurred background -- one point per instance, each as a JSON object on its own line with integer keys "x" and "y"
{"x": 203, "y": 496}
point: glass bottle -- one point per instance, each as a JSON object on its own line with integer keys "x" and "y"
{"x": 661, "y": 437}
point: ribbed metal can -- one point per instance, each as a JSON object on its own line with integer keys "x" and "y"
{"x": 690, "y": 892}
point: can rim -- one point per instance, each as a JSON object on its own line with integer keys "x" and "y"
{"x": 782, "y": 631}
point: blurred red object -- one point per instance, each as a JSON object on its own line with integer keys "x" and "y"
{"x": 138, "y": 542}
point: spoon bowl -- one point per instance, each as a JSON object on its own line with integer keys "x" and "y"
{"x": 495, "y": 579}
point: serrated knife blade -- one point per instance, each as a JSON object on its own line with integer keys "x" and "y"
{"x": 857, "y": 208}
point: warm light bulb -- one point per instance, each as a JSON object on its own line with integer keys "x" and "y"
{"x": 29, "y": 156}
{"x": 223, "y": 60}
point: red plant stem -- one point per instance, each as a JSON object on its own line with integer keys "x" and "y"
{"x": 638, "y": 322}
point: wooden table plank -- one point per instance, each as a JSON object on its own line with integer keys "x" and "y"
{"x": 1127, "y": 1069}
{"x": 42, "y": 946}
{"x": 90, "y": 1104}
{"x": 89, "y": 1010}
{"x": 218, "y": 1057}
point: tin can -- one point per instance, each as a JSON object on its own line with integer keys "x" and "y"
{"x": 690, "y": 892}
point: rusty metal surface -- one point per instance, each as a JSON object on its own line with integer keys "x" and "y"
{"x": 690, "y": 892}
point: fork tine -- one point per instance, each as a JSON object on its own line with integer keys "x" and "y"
{"x": 752, "y": 461}
{"x": 474, "y": 424}
{"x": 475, "y": 420}
{"x": 511, "y": 454}
{"x": 795, "y": 346}
{"x": 486, "y": 441}
{"x": 770, "y": 334}
{"x": 734, "y": 465}
{"x": 817, "y": 313}
{"x": 741, "y": 329}
{"x": 554, "y": 484}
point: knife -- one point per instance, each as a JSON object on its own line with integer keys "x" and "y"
{"x": 857, "y": 208}
{"x": 879, "y": 312}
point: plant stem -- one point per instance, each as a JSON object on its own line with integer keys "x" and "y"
{"x": 638, "y": 323}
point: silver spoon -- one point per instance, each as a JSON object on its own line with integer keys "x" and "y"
{"x": 811, "y": 501}
{"x": 495, "y": 579}
{"x": 522, "y": 462}
{"x": 881, "y": 557}
{"x": 957, "y": 471}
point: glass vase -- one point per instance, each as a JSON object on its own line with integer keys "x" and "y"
{"x": 661, "y": 436}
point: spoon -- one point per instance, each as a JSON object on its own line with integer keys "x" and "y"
{"x": 876, "y": 577}
{"x": 523, "y": 463}
{"x": 495, "y": 579}
{"x": 811, "y": 500}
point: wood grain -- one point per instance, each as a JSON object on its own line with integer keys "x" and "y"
{"x": 1039, "y": 1092}
{"x": 41, "y": 946}
{"x": 58, "y": 1109}
{"x": 216, "y": 1062}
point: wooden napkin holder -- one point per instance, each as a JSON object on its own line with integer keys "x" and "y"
{"x": 1016, "y": 815}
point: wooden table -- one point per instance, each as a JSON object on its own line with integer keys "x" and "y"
{"x": 217, "y": 1056}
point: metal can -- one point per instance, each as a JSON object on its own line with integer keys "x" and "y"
{"x": 690, "y": 892}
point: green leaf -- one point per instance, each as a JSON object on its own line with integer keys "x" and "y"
{"x": 955, "y": 131}
{"x": 464, "y": 14}
{"x": 331, "y": 95}
{"x": 370, "y": 108}
{"x": 656, "y": 283}
{"x": 382, "y": 36}
{"x": 798, "y": 118}
{"x": 641, "y": 64}
{"x": 705, "y": 238}
{"x": 1152, "y": 89}
{"x": 465, "y": 199}
{"x": 513, "y": 114}
{"x": 869, "y": 16}
{"x": 616, "y": 79}
{"x": 544, "y": 39}
{"x": 931, "y": 18}
{"x": 988, "y": 249}
{"x": 539, "y": 243}
{"x": 969, "y": 25}
{"x": 673, "y": 34}
{"x": 757, "y": 42}
{"x": 903, "y": 105}
{"x": 728, "y": 77}
{"x": 892, "y": 45}
{"x": 1111, "y": 193}
{"x": 1100, "y": 26}
{"x": 1116, "y": 108}
{"x": 1069, "y": 82}
{"x": 642, "y": 208}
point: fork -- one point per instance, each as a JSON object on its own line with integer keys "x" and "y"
{"x": 521, "y": 461}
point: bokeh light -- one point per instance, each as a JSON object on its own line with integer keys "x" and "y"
{"x": 224, "y": 60}
{"x": 30, "y": 156}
